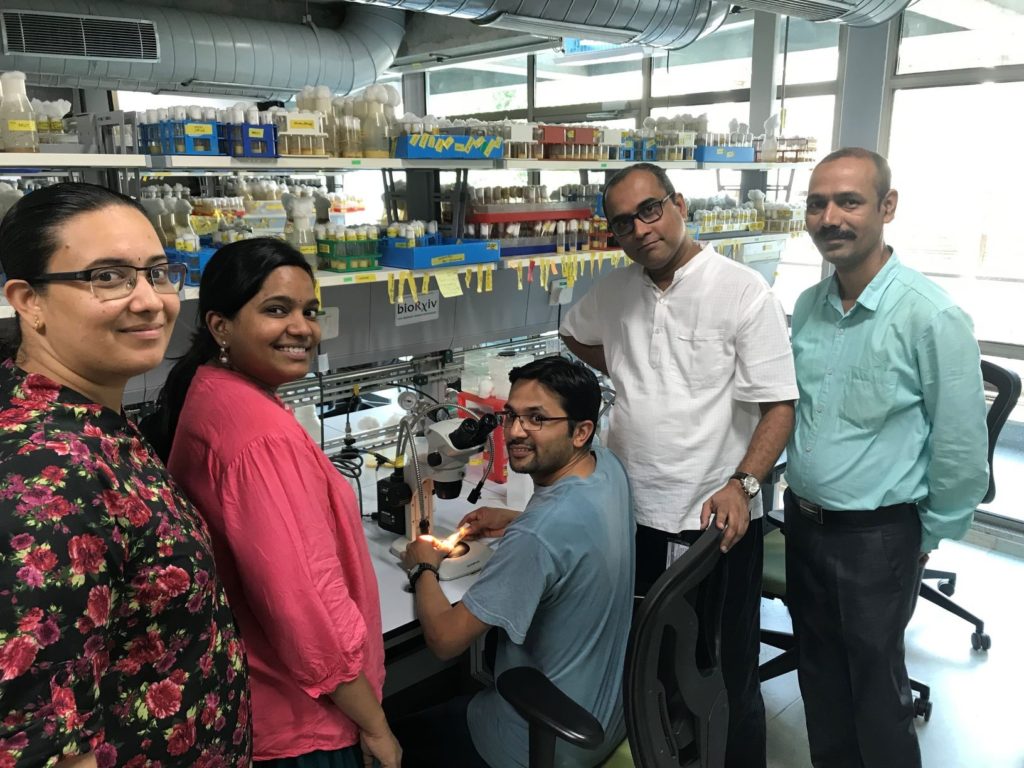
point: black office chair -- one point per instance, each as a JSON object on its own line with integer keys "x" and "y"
{"x": 676, "y": 710}
{"x": 773, "y": 584}
{"x": 1007, "y": 386}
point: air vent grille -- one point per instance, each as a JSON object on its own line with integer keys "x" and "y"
{"x": 67, "y": 35}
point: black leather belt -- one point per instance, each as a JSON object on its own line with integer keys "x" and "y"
{"x": 852, "y": 518}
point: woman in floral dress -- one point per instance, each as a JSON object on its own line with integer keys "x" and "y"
{"x": 117, "y": 646}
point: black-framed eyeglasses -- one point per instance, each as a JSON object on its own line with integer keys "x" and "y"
{"x": 531, "y": 422}
{"x": 648, "y": 213}
{"x": 116, "y": 281}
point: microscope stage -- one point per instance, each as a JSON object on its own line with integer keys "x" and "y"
{"x": 453, "y": 567}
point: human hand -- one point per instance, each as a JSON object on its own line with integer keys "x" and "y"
{"x": 488, "y": 522}
{"x": 424, "y": 550}
{"x": 382, "y": 746}
{"x": 731, "y": 509}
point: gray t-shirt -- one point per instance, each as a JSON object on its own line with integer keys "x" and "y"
{"x": 561, "y": 587}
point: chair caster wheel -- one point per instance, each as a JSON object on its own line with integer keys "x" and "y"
{"x": 923, "y": 708}
{"x": 947, "y": 588}
{"x": 980, "y": 641}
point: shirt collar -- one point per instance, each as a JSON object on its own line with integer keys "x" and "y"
{"x": 872, "y": 294}
{"x": 688, "y": 268}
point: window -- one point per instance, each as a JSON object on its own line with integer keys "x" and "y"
{"x": 813, "y": 51}
{"x": 491, "y": 85}
{"x": 958, "y": 214}
{"x": 809, "y": 116}
{"x": 718, "y": 62}
{"x": 561, "y": 79}
{"x": 942, "y": 35}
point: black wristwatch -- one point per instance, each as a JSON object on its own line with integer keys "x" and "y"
{"x": 418, "y": 570}
{"x": 750, "y": 484}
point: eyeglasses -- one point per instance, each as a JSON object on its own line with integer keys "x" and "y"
{"x": 117, "y": 281}
{"x": 531, "y": 422}
{"x": 648, "y": 213}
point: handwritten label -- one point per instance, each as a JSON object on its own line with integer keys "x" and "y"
{"x": 21, "y": 125}
{"x": 199, "y": 129}
{"x": 454, "y": 258}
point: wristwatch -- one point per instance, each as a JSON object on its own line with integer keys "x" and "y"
{"x": 750, "y": 484}
{"x": 418, "y": 570}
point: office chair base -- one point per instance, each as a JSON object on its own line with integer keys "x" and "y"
{"x": 980, "y": 641}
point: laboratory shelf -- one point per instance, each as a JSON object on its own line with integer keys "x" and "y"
{"x": 754, "y": 166}
{"x": 281, "y": 164}
{"x": 41, "y": 161}
{"x": 584, "y": 165}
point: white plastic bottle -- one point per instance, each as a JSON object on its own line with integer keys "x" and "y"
{"x": 17, "y": 118}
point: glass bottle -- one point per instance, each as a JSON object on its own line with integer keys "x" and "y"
{"x": 17, "y": 118}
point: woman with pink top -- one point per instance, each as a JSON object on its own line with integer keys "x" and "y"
{"x": 286, "y": 529}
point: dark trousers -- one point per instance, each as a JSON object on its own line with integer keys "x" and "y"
{"x": 438, "y": 736}
{"x": 851, "y": 591}
{"x": 741, "y": 632}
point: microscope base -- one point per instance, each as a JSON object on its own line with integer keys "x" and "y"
{"x": 469, "y": 562}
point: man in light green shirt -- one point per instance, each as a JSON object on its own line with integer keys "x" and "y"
{"x": 889, "y": 455}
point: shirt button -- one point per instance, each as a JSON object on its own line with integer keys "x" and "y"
{"x": 828, "y": 371}
{"x": 661, "y": 301}
{"x": 657, "y": 330}
{"x": 807, "y": 449}
{"x": 841, "y": 331}
{"x": 819, "y": 409}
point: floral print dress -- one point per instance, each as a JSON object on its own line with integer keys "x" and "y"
{"x": 115, "y": 633}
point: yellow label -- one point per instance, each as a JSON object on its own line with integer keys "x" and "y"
{"x": 366, "y": 278}
{"x": 454, "y": 258}
{"x": 255, "y": 133}
{"x": 199, "y": 129}
{"x": 448, "y": 282}
{"x": 301, "y": 124}
{"x": 490, "y": 245}
{"x": 307, "y": 250}
{"x": 324, "y": 247}
{"x": 21, "y": 125}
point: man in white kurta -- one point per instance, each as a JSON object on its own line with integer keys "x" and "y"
{"x": 698, "y": 350}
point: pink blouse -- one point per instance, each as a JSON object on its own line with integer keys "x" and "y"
{"x": 291, "y": 551}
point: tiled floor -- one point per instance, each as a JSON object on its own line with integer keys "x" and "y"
{"x": 976, "y": 721}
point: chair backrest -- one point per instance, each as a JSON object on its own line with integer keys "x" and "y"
{"x": 674, "y": 696}
{"x": 1007, "y": 386}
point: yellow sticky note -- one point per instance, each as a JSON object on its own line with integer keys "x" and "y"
{"x": 448, "y": 283}
{"x": 401, "y": 286}
{"x": 412, "y": 285}
{"x": 316, "y": 292}
{"x": 519, "y": 277}
{"x": 391, "y": 287}
{"x": 468, "y": 274}
{"x": 479, "y": 279}
{"x": 489, "y": 280}
{"x": 425, "y": 284}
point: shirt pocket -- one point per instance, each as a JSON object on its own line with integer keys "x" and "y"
{"x": 867, "y": 397}
{"x": 701, "y": 358}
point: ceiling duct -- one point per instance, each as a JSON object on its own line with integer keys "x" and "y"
{"x": 657, "y": 23}
{"x": 858, "y": 13}
{"x": 196, "y": 52}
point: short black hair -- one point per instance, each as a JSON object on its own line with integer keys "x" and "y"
{"x": 883, "y": 174}
{"x": 655, "y": 170}
{"x": 573, "y": 383}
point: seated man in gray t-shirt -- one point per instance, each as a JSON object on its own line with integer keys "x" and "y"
{"x": 559, "y": 586}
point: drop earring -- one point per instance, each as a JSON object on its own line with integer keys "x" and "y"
{"x": 223, "y": 356}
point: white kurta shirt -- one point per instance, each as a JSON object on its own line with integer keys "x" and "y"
{"x": 690, "y": 365}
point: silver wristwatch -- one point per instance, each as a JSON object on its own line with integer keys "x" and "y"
{"x": 750, "y": 484}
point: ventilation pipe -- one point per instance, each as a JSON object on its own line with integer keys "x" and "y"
{"x": 657, "y": 23}
{"x": 197, "y": 52}
{"x": 858, "y": 13}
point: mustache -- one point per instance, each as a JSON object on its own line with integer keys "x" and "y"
{"x": 524, "y": 443}
{"x": 834, "y": 233}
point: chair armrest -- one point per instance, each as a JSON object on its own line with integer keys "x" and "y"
{"x": 541, "y": 702}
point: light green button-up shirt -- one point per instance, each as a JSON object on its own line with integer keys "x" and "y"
{"x": 892, "y": 405}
